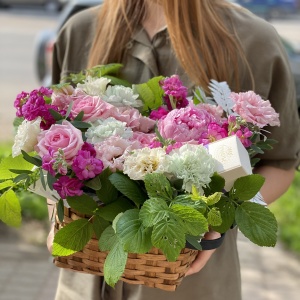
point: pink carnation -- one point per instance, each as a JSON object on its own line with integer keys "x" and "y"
{"x": 93, "y": 107}
{"x": 185, "y": 124}
{"x": 253, "y": 109}
{"x": 63, "y": 96}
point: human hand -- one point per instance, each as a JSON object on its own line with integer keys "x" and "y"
{"x": 203, "y": 256}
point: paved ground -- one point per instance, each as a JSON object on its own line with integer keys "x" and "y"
{"x": 27, "y": 272}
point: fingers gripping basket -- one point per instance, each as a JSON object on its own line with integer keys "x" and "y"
{"x": 151, "y": 269}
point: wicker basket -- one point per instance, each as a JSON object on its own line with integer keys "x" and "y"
{"x": 151, "y": 269}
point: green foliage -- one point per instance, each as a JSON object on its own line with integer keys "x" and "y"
{"x": 287, "y": 212}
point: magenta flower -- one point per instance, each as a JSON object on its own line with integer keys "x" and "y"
{"x": 244, "y": 134}
{"x": 253, "y": 109}
{"x": 47, "y": 164}
{"x": 85, "y": 166}
{"x": 90, "y": 148}
{"x": 19, "y": 102}
{"x": 66, "y": 186}
{"x": 175, "y": 92}
{"x": 158, "y": 113}
{"x": 214, "y": 132}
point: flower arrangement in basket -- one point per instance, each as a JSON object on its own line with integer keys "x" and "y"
{"x": 139, "y": 173}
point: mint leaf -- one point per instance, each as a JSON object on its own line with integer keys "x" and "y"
{"x": 9, "y": 162}
{"x": 60, "y": 210}
{"x": 107, "y": 193}
{"x": 83, "y": 204}
{"x": 72, "y": 237}
{"x": 10, "y": 209}
{"x": 134, "y": 236}
{"x": 108, "y": 239}
{"x": 227, "y": 211}
{"x": 94, "y": 184}
{"x": 99, "y": 225}
{"x": 153, "y": 210}
{"x": 214, "y": 217}
{"x": 246, "y": 187}
{"x": 169, "y": 237}
{"x": 257, "y": 223}
{"x": 216, "y": 185}
{"x": 111, "y": 210}
{"x": 114, "y": 264}
{"x": 128, "y": 187}
{"x": 158, "y": 186}
{"x": 214, "y": 198}
{"x": 194, "y": 222}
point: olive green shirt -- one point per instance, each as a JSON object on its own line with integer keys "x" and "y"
{"x": 145, "y": 58}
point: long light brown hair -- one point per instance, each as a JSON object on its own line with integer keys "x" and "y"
{"x": 205, "y": 47}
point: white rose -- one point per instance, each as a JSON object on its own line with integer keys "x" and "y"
{"x": 94, "y": 86}
{"x": 26, "y": 137}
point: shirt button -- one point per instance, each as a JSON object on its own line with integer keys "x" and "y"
{"x": 129, "y": 45}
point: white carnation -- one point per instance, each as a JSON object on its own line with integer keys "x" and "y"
{"x": 144, "y": 161}
{"x": 26, "y": 137}
{"x": 193, "y": 164}
{"x": 94, "y": 86}
{"x": 120, "y": 96}
{"x": 103, "y": 129}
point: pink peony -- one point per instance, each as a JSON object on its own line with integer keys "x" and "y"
{"x": 253, "y": 109}
{"x": 68, "y": 187}
{"x": 133, "y": 118}
{"x": 113, "y": 151}
{"x": 93, "y": 107}
{"x": 60, "y": 136}
{"x": 185, "y": 124}
{"x": 144, "y": 138}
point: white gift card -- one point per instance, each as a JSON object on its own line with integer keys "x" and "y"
{"x": 232, "y": 159}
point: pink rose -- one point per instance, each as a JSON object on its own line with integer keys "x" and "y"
{"x": 253, "y": 109}
{"x": 93, "y": 107}
{"x": 185, "y": 124}
{"x": 60, "y": 136}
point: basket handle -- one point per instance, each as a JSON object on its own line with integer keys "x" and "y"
{"x": 208, "y": 244}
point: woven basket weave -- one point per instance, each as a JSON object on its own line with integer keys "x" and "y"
{"x": 151, "y": 269}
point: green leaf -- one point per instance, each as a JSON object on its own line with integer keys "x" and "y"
{"x": 214, "y": 198}
{"x": 20, "y": 171}
{"x": 6, "y": 184}
{"x": 50, "y": 180}
{"x": 80, "y": 116}
{"x": 9, "y": 162}
{"x": 99, "y": 225}
{"x": 169, "y": 237}
{"x": 134, "y": 236}
{"x": 108, "y": 193}
{"x": 31, "y": 159}
{"x": 158, "y": 186}
{"x": 94, "y": 184}
{"x": 128, "y": 187}
{"x": 101, "y": 70}
{"x": 72, "y": 237}
{"x": 56, "y": 115}
{"x": 194, "y": 241}
{"x": 216, "y": 185}
{"x": 80, "y": 124}
{"x": 111, "y": 210}
{"x": 114, "y": 264}
{"x": 10, "y": 209}
{"x": 257, "y": 223}
{"x": 117, "y": 81}
{"x": 246, "y": 187}
{"x": 194, "y": 222}
{"x": 108, "y": 239}
{"x": 214, "y": 217}
{"x": 21, "y": 177}
{"x": 153, "y": 210}
{"x": 60, "y": 210}
{"x": 227, "y": 210}
{"x": 83, "y": 204}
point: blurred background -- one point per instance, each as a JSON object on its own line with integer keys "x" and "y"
{"x": 27, "y": 31}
